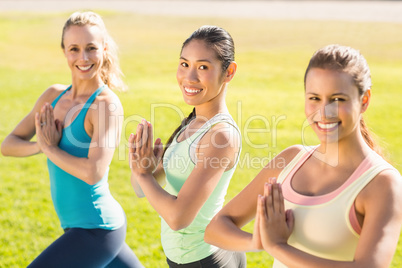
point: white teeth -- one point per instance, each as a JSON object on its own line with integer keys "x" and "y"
{"x": 84, "y": 68}
{"x": 327, "y": 126}
{"x": 188, "y": 90}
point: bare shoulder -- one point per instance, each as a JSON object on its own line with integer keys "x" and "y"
{"x": 223, "y": 134}
{"x": 110, "y": 102}
{"x": 384, "y": 191}
{"x": 277, "y": 164}
{"x": 291, "y": 152}
{"x": 284, "y": 158}
{"x": 108, "y": 96}
{"x": 392, "y": 178}
{"x": 55, "y": 89}
{"x": 222, "y": 141}
{"x": 50, "y": 94}
{"x": 388, "y": 183}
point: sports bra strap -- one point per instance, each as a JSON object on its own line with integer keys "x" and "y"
{"x": 84, "y": 110}
{"x": 88, "y": 103}
{"x": 95, "y": 94}
{"x": 58, "y": 97}
{"x": 219, "y": 118}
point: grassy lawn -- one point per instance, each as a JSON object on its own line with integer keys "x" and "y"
{"x": 265, "y": 98}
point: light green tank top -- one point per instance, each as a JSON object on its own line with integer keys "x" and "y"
{"x": 187, "y": 245}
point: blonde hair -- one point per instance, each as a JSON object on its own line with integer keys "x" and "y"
{"x": 350, "y": 61}
{"x": 110, "y": 71}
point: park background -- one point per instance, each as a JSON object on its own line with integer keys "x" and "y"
{"x": 274, "y": 41}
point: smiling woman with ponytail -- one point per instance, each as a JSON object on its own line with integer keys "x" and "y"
{"x": 337, "y": 204}
{"x": 200, "y": 156}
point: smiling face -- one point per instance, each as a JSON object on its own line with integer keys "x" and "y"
{"x": 84, "y": 48}
{"x": 332, "y": 104}
{"x": 199, "y": 74}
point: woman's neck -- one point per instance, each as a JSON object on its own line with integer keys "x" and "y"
{"x": 208, "y": 113}
{"x": 348, "y": 151}
{"x": 213, "y": 107}
{"x": 85, "y": 87}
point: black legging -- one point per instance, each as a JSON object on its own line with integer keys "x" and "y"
{"x": 219, "y": 259}
{"x": 88, "y": 248}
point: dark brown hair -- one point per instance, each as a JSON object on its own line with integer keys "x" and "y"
{"x": 222, "y": 43}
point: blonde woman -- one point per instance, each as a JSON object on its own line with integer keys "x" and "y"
{"x": 75, "y": 127}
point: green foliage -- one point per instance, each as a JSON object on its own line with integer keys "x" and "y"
{"x": 265, "y": 95}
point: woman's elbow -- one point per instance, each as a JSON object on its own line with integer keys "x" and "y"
{"x": 177, "y": 225}
{"x": 90, "y": 180}
{"x": 209, "y": 232}
{"x": 3, "y": 149}
{"x": 179, "y": 221}
{"x": 92, "y": 175}
{"x": 7, "y": 150}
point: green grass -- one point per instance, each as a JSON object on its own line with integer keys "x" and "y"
{"x": 267, "y": 93}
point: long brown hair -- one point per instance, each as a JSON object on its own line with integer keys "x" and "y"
{"x": 222, "y": 43}
{"x": 110, "y": 71}
{"x": 350, "y": 61}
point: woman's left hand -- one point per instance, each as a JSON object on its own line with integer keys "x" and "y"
{"x": 276, "y": 224}
{"x": 48, "y": 130}
{"x": 143, "y": 157}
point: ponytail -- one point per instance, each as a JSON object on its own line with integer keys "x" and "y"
{"x": 185, "y": 122}
{"x": 368, "y": 138}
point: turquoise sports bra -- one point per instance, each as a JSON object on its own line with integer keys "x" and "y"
{"x": 78, "y": 204}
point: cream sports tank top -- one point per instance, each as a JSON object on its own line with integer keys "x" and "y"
{"x": 326, "y": 225}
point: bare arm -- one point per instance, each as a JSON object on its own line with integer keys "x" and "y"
{"x": 179, "y": 211}
{"x": 224, "y": 230}
{"x": 158, "y": 174}
{"x": 105, "y": 138}
{"x": 18, "y": 143}
{"x": 380, "y": 201}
